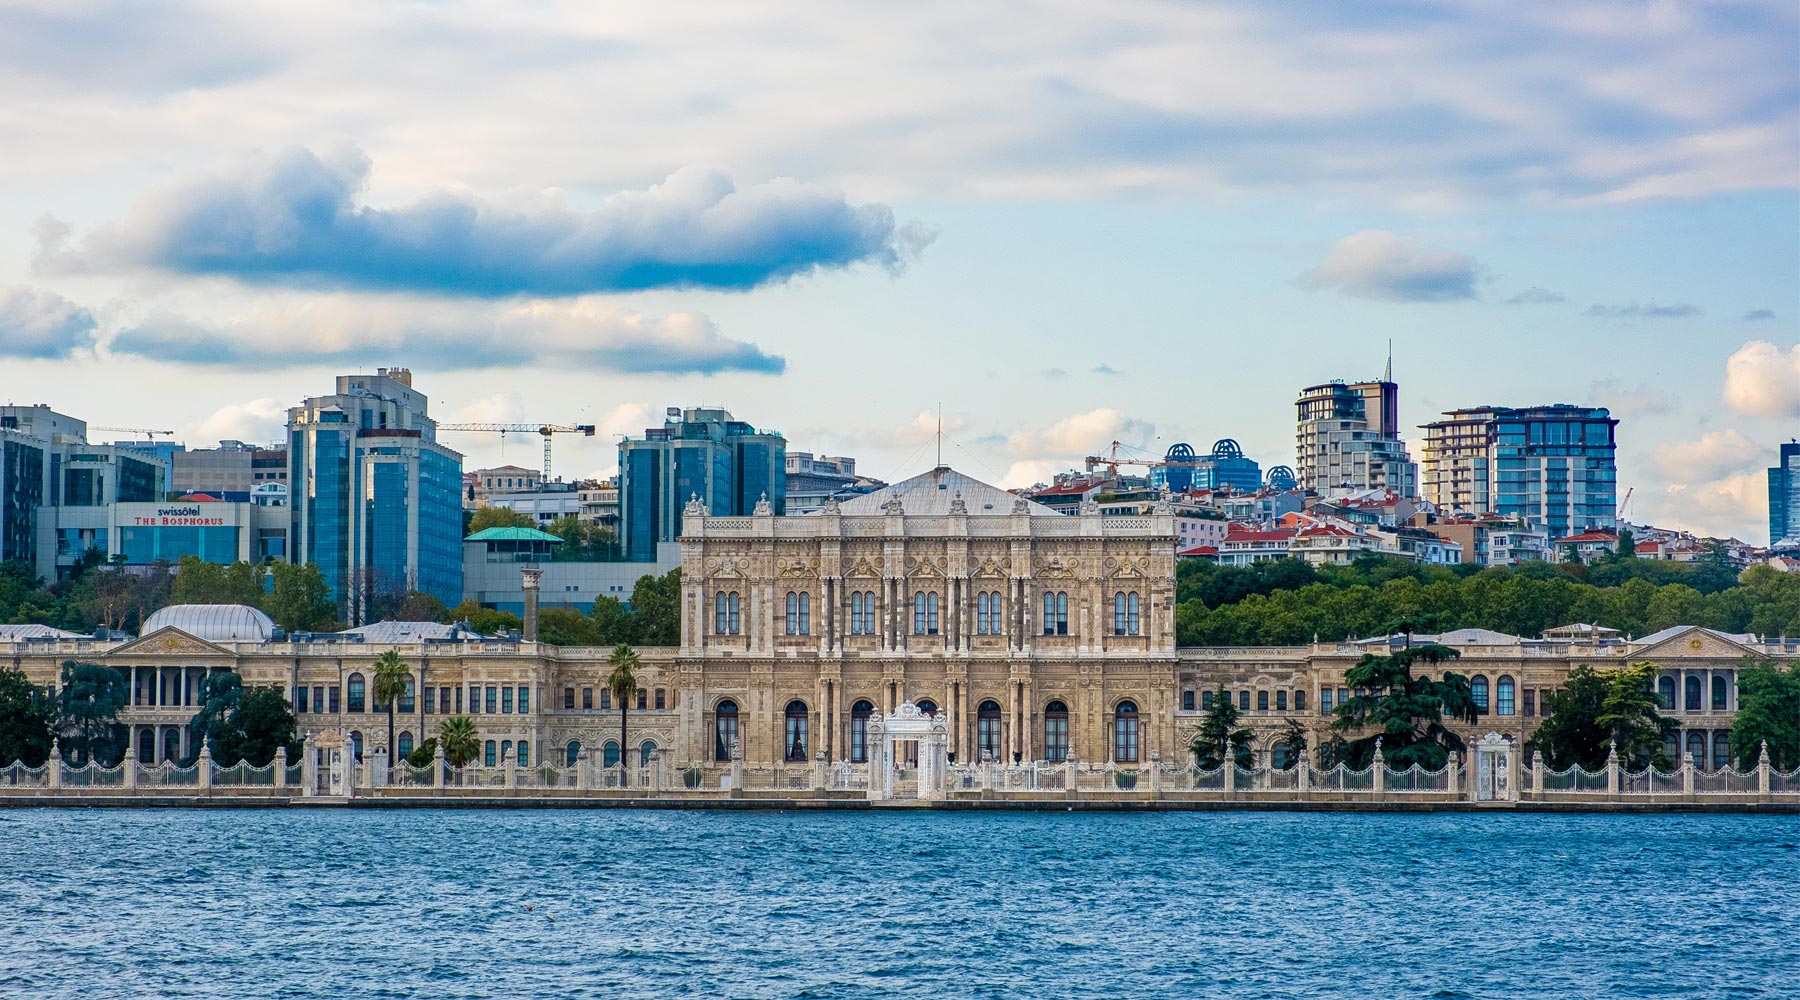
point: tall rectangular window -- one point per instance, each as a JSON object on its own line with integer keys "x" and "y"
{"x": 587, "y": 699}
{"x": 318, "y": 698}
{"x": 568, "y": 698}
{"x": 506, "y": 695}
{"x": 1243, "y": 701}
{"x": 1325, "y": 701}
{"x": 660, "y": 703}
{"x": 493, "y": 699}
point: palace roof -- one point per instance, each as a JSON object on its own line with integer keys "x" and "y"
{"x": 213, "y": 622}
{"x": 931, "y": 493}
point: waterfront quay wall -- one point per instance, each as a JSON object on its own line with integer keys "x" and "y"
{"x": 1038, "y": 785}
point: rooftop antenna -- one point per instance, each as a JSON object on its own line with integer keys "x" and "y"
{"x": 940, "y": 435}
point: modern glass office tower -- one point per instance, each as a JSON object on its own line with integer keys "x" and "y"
{"x": 1784, "y": 497}
{"x": 376, "y": 501}
{"x": 703, "y": 452}
{"x": 57, "y": 489}
{"x": 1551, "y": 464}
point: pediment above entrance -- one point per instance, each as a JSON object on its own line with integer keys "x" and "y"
{"x": 169, "y": 642}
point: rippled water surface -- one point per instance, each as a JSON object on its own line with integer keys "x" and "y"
{"x": 606, "y": 903}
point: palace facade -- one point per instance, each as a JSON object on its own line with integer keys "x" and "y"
{"x": 1036, "y": 635}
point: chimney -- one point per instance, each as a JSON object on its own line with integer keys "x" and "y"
{"x": 531, "y": 576}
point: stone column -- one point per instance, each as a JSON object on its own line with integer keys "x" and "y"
{"x": 529, "y": 579}
{"x": 53, "y": 766}
{"x": 1537, "y": 775}
{"x": 204, "y": 767}
{"x": 309, "y": 767}
{"x": 1303, "y": 777}
{"x": 1229, "y": 767}
{"x": 818, "y": 770}
{"x": 376, "y": 770}
{"x": 1612, "y": 769}
{"x": 510, "y": 779}
{"x": 1452, "y": 776}
{"x": 281, "y": 765}
{"x": 1762, "y": 772}
{"x": 1156, "y": 775}
{"x": 130, "y": 766}
{"x": 437, "y": 767}
{"x": 1379, "y": 771}
{"x": 1687, "y": 777}
{"x": 1070, "y": 781}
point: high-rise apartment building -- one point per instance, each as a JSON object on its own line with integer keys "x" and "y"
{"x": 375, "y": 499}
{"x": 1348, "y": 437}
{"x": 57, "y": 489}
{"x": 703, "y": 452}
{"x": 1550, "y": 464}
{"x": 1784, "y": 497}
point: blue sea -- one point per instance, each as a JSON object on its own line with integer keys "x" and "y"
{"x": 613, "y": 903}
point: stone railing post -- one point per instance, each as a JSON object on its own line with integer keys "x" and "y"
{"x": 1537, "y": 775}
{"x": 53, "y": 766}
{"x": 658, "y": 763}
{"x": 1156, "y": 775}
{"x": 437, "y": 767}
{"x": 1687, "y": 777}
{"x": 1378, "y": 771}
{"x": 203, "y": 768}
{"x": 1071, "y": 785}
{"x": 737, "y": 775}
{"x": 309, "y": 767}
{"x": 380, "y": 768}
{"x": 1612, "y": 769}
{"x": 1229, "y": 765}
{"x": 1303, "y": 777}
{"x": 507, "y": 778}
{"x": 1453, "y": 776}
{"x": 1762, "y": 772}
{"x": 280, "y": 764}
{"x": 130, "y": 766}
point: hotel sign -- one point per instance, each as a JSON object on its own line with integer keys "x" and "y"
{"x": 179, "y": 516}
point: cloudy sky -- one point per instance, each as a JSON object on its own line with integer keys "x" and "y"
{"x": 1065, "y": 222}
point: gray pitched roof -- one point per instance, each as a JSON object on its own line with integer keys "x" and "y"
{"x": 929, "y": 494}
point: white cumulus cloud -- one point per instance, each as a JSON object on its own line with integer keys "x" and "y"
{"x": 1763, "y": 380}
{"x": 1377, "y": 264}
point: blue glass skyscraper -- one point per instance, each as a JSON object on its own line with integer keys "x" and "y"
{"x": 376, "y": 501}
{"x": 1784, "y": 497}
{"x": 697, "y": 452}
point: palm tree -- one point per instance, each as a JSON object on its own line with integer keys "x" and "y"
{"x": 623, "y": 684}
{"x": 457, "y": 736}
{"x": 391, "y": 680}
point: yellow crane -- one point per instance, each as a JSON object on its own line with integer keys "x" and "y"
{"x": 149, "y": 435}
{"x": 546, "y": 430}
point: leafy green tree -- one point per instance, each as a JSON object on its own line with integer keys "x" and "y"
{"x": 262, "y": 722}
{"x": 487, "y": 621}
{"x": 622, "y": 681}
{"x": 656, "y": 609}
{"x": 219, "y": 695}
{"x": 27, "y": 720}
{"x": 581, "y": 541}
{"x": 567, "y": 627}
{"x": 423, "y": 754}
{"x": 1595, "y": 708}
{"x": 1220, "y": 736}
{"x": 89, "y": 705}
{"x": 299, "y": 598}
{"x": 200, "y": 582}
{"x": 1768, "y": 712}
{"x": 418, "y": 606}
{"x": 1405, "y": 712}
{"x": 460, "y": 741}
{"x": 612, "y": 621}
{"x": 1627, "y": 544}
{"x": 499, "y": 517}
{"x": 390, "y": 681}
{"x": 1294, "y": 738}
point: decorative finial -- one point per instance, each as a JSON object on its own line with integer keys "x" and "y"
{"x": 1021, "y": 505}
{"x": 763, "y": 507}
{"x": 695, "y": 506}
{"x": 831, "y": 506}
{"x": 957, "y": 506}
{"x": 893, "y": 506}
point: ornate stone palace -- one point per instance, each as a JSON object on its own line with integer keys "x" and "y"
{"x": 1032, "y": 635}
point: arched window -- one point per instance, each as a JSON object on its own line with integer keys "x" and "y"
{"x": 862, "y": 613}
{"x": 1299, "y": 701}
{"x": 609, "y": 754}
{"x": 171, "y": 745}
{"x": 1125, "y": 613}
{"x": 1056, "y": 731}
{"x": 1693, "y": 694}
{"x": 1125, "y": 733}
{"x": 725, "y": 729}
{"x": 859, "y": 731}
{"x": 927, "y": 706}
{"x": 506, "y": 751}
{"x": 725, "y": 613}
{"x": 490, "y": 754}
{"x": 1278, "y": 755}
{"x": 981, "y": 613}
{"x": 1721, "y": 749}
{"x": 1187, "y": 700}
{"x": 1056, "y": 613}
{"x": 1478, "y": 689}
{"x": 925, "y": 613}
{"x": 1665, "y": 692}
{"x": 987, "y": 730}
{"x": 1718, "y": 693}
{"x": 793, "y": 613}
{"x": 146, "y": 747}
{"x": 1696, "y": 748}
{"x": 356, "y": 744}
{"x": 795, "y": 741}
{"x": 1503, "y": 696}
{"x": 358, "y": 694}
{"x": 403, "y": 744}
{"x": 645, "y": 749}
{"x": 572, "y": 753}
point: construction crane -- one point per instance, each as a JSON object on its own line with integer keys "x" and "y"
{"x": 149, "y": 435}
{"x": 546, "y": 430}
{"x": 1623, "y": 504}
{"x": 1112, "y": 461}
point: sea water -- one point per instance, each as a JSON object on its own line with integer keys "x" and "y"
{"x": 281, "y": 903}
